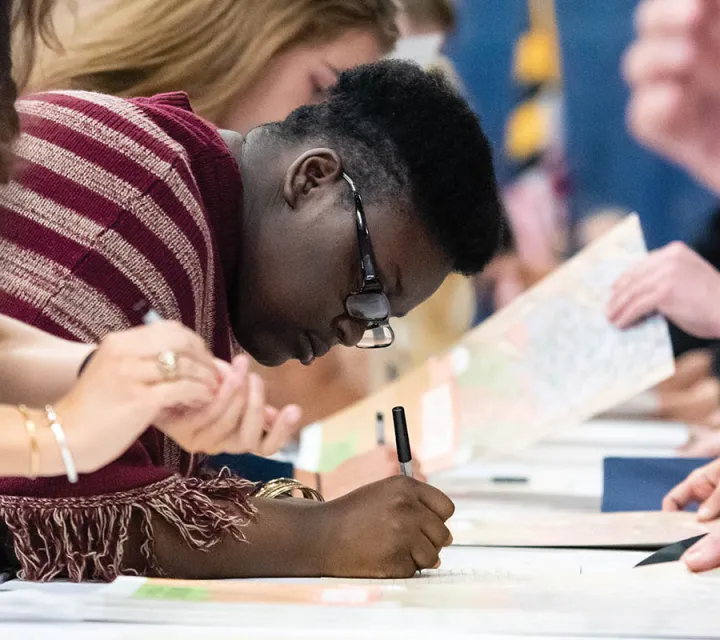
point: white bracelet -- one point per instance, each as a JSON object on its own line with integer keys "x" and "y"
{"x": 59, "y": 434}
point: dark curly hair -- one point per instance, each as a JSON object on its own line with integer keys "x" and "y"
{"x": 406, "y": 134}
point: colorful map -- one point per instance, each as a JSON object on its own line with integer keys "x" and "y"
{"x": 552, "y": 359}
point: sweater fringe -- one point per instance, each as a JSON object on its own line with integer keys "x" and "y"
{"x": 85, "y": 538}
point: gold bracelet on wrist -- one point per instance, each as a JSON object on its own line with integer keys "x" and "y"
{"x": 284, "y": 488}
{"x": 34, "y": 446}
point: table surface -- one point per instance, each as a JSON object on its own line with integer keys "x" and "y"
{"x": 564, "y": 475}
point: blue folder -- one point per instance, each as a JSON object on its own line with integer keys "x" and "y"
{"x": 253, "y": 468}
{"x": 640, "y": 484}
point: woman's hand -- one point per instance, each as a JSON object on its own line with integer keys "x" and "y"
{"x": 235, "y": 420}
{"x": 125, "y": 388}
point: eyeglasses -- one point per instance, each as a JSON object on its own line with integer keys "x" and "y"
{"x": 369, "y": 303}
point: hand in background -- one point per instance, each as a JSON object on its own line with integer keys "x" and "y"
{"x": 700, "y": 486}
{"x": 673, "y": 70}
{"x": 703, "y": 442}
{"x": 674, "y": 281}
{"x": 694, "y": 405}
{"x": 691, "y": 367}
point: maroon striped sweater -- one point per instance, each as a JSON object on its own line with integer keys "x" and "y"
{"x": 118, "y": 204}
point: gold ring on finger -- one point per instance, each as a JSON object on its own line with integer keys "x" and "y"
{"x": 167, "y": 362}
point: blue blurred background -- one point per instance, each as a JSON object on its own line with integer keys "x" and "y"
{"x": 607, "y": 168}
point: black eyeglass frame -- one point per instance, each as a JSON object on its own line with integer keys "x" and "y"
{"x": 371, "y": 284}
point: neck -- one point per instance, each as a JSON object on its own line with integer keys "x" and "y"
{"x": 257, "y": 171}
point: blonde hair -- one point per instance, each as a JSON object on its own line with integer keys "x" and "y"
{"x": 31, "y": 24}
{"x": 439, "y": 13}
{"x": 212, "y": 49}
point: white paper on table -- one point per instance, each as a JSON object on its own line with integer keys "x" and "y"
{"x": 623, "y": 530}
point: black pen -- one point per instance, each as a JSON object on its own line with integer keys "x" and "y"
{"x": 402, "y": 441}
{"x": 380, "y": 428}
{"x": 509, "y": 480}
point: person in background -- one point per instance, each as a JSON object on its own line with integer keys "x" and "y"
{"x": 694, "y": 396}
{"x": 536, "y": 189}
{"x": 698, "y": 392}
{"x": 306, "y": 233}
{"x": 443, "y": 319}
{"x": 673, "y": 70}
{"x": 243, "y": 63}
{"x": 683, "y": 286}
{"x": 427, "y": 17}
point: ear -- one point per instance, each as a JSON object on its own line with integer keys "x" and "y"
{"x": 313, "y": 169}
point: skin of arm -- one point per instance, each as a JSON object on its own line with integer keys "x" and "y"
{"x": 387, "y": 529}
{"x": 36, "y": 368}
{"x": 286, "y": 539}
{"x": 404, "y": 518}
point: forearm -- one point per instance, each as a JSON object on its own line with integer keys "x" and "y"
{"x": 286, "y": 539}
{"x": 35, "y": 367}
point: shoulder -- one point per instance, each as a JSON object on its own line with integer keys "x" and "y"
{"x": 93, "y": 141}
{"x": 114, "y": 146}
{"x": 70, "y": 118}
{"x": 173, "y": 113}
{"x": 89, "y": 163}
{"x": 152, "y": 132}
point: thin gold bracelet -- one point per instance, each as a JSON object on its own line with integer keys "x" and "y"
{"x": 59, "y": 433}
{"x": 34, "y": 446}
{"x": 284, "y": 487}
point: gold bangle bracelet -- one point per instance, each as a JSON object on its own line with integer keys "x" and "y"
{"x": 284, "y": 487}
{"x": 32, "y": 435}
